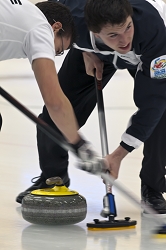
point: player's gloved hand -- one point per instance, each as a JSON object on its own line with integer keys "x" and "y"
{"x": 90, "y": 160}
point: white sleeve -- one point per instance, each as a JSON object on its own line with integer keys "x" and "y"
{"x": 39, "y": 43}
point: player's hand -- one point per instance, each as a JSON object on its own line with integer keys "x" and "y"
{"x": 114, "y": 161}
{"x": 92, "y": 62}
{"x": 90, "y": 160}
{"x": 114, "y": 166}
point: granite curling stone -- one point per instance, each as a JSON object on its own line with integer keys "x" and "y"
{"x": 54, "y": 206}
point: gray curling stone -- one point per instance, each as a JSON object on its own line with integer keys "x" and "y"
{"x": 54, "y": 206}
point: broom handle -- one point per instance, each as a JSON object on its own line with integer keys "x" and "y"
{"x": 102, "y": 124}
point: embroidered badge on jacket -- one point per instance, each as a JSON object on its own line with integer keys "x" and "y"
{"x": 158, "y": 67}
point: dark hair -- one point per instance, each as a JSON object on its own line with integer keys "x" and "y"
{"x": 98, "y": 13}
{"x": 59, "y": 12}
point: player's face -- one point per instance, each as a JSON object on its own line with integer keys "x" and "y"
{"x": 118, "y": 37}
{"x": 61, "y": 44}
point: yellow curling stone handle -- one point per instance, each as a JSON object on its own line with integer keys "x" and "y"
{"x": 55, "y": 191}
{"x": 58, "y": 190}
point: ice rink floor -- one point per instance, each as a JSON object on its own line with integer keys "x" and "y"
{"x": 19, "y": 163}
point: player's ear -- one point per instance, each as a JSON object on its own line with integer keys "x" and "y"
{"x": 57, "y": 26}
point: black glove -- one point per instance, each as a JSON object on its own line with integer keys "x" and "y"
{"x": 90, "y": 160}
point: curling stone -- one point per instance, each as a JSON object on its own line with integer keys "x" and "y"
{"x": 54, "y": 206}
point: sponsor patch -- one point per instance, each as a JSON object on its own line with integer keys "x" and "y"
{"x": 158, "y": 67}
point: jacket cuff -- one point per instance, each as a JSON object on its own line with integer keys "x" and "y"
{"x": 127, "y": 147}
